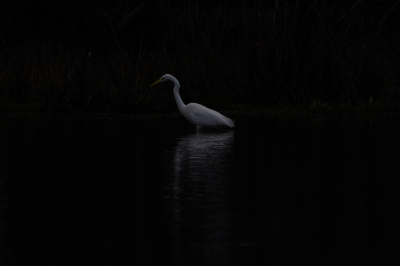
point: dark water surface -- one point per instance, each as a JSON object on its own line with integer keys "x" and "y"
{"x": 152, "y": 191}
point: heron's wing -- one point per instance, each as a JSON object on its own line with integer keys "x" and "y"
{"x": 203, "y": 116}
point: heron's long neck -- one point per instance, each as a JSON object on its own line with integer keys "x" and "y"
{"x": 178, "y": 99}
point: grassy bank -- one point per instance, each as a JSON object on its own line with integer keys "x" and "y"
{"x": 245, "y": 55}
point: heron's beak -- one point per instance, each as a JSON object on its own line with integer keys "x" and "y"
{"x": 155, "y": 83}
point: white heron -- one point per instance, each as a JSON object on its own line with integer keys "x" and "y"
{"x": 197, "y": 114}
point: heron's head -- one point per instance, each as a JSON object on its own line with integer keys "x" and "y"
{"x": 163, "y": 78}
{"x": 166, "y": 77}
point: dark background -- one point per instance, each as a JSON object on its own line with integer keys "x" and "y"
{"x": 101, "y": 56}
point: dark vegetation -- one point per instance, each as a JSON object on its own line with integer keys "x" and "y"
{"x": 101, "y": 56}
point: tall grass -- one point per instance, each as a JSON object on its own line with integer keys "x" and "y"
{"x": 313, "y": 55}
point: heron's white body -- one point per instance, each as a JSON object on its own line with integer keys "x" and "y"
{"x": 195, "y": 113}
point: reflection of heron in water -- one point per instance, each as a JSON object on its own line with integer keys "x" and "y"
{"x": 197, "y": 114}
{"x": 203, "y": 153}
{"x": 200, "y": 189}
